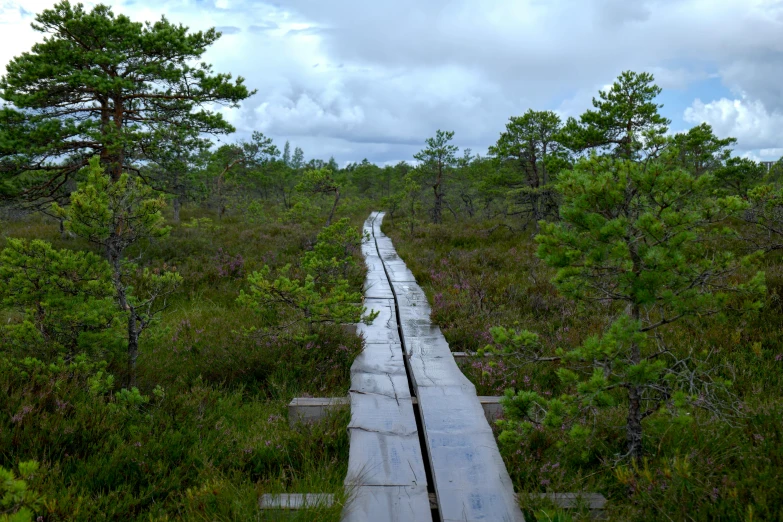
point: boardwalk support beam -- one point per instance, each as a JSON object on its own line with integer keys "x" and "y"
{"x": 312, "y": 409}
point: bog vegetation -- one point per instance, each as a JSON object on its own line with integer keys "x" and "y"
{"x": 163, "y": 298}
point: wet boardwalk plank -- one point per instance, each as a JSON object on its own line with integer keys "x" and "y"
{"x": 386, "y": 478}
{"x": 470, "y": 479}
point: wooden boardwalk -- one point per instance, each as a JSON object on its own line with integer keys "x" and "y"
{"x": 402, "y": 454}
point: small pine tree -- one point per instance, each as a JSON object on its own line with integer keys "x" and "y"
{"x": 321, "y": 181}
{"x": 321, "y": 295}
{"x": 66, "y": 297}
{"x": 637, "y": 236}
{"x": 18, "y": 502}
{"x": 287, "y": 154}
{"x": 437, "y": 159}
{"x": 116, "y": 215}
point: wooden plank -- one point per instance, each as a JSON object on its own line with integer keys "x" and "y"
{"x": 349, "y": 328}
{"x": 411, "y": 296}
{"x": 492, "y": 408}
{"x": 374, "y": 264}
{"x": 451, "y": 410}
{"x": 426, "y": 345}
{"x": 380, "y": 358}
{"x": 438, "y": 372}
{"x": 463, "y": 358}
{"x": 470, "y": 478}
{"x": 388, "y": 504}
{"x": 372, "y": 302}
{"x": 380, "y": 459}
{"x": 378, "y": 288}
{"x": 380, "y": 370}
{"x": 312, "y": 409}
{"x": 381, "y": 414}
{"x": 413, "y": 328}
{"x": 383, "y": 329}
{"x": 392, "y": 385}
{"x": 295, "y": 501}
{"x": 385, "y": 465}
{"x": 398, "y": 272}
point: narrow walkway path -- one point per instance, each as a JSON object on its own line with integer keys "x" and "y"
{"x": 402, "y": 447}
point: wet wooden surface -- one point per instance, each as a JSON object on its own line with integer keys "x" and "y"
{"x": 386, "y": 468}
{"x": 388, "y": 503}
{"x": 386, "y": 478}
{"x": 470, "y": 479}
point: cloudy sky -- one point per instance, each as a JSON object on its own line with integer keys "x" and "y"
{"x": 358, "y": 78}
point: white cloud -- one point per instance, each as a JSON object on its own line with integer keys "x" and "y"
{"x": 764, "y": 154}
{"x": 356, "y": 78}
{"x": 747, "y": 120}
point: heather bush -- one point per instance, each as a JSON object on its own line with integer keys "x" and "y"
{"x": 205, "y": 430}
{"x": 706, "y": 469}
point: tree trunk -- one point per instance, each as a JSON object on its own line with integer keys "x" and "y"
{"x": 114, "y": 255}
{"x": 334, "y": 207}
{"x": 437, "y": 188}
{"x": 633, "y": 428}
{"x": 535, "y": 185}
{"x": 64, "y": 234}
{"x": 133, "y": 346}
{"x": 177, "y": 207}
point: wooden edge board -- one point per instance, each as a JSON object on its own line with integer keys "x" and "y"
{"x": 295, "y": 501}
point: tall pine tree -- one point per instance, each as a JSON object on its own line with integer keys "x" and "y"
{"x": 101, "y": 85}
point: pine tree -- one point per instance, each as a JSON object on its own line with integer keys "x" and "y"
{"x": 297, "y": 160}
{"x": 625, "y": 121}
{"x": 287, "y": 154}
{"x": 636, "y": 235}
{"x": 531, "y": 144}
{"x": 114, "y": 216}
{"x": 436, "y": 161}
{"x": 700, "y": 151}
{"x": 322, "y": 295}
{"x": 66, "y": 298}
{"x": 101, "y": 85}
{"x": 321, "y": 181}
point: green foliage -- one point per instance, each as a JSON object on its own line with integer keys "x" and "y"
{"x": 365, "y": 177}
{"x": 297, "y": 160}
{"x": 766, "y": 217}
{"x": 175, "y": 165}
{"x": 699, "y": 150}
{"x": 115, "y": 215}
{"x": 239, "y": 173}
{"x": 335, "y": 251}
{"x": 531, "y": 146}
{"x": 215, "y": 434}
{"x": 738, "y": 176}
{"x": 17, "y": 502}
{"x": 625, "y": 120}
{"x": 66, "y": 298}
{"x": 435, "y": 163}
{"x": 637, "y": 235}
{"x": 476, "y": 279}
{"x": 141, "y": 77}
{"x": 410, "y": 191}
{"x": 193, "y": 450}
{"x": 204, "y": 223}
{"x": 319, "y": 182}
{"x": 322, "y": 295}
